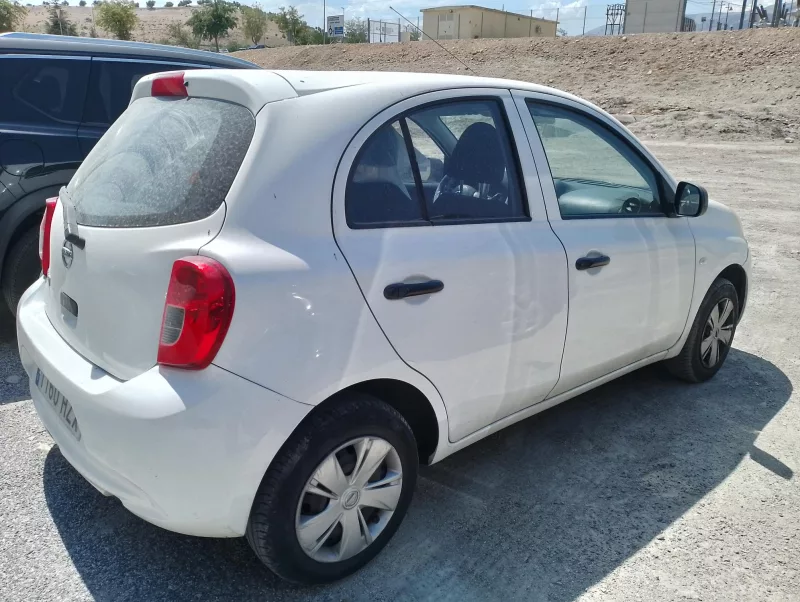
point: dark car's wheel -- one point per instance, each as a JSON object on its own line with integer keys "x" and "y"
{"x": 711, "y": 336}
{"x": 21, "y": 269}
{"x": 336, "y": 492}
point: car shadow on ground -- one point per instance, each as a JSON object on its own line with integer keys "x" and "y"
{"x": 539, "y": 511}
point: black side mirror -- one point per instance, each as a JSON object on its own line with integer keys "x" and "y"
{"x": 691, "y": 200}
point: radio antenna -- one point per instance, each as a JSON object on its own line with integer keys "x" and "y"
{"x": 467, "y": 67}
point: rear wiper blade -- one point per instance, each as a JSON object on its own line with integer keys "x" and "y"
{"x": 70, "y": 220}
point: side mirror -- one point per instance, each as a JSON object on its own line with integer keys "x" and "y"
{"x": 691, "y": 200}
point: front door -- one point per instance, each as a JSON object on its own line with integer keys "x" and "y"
{"x": 453, "y": 251}
{"x": 631, "y": 268}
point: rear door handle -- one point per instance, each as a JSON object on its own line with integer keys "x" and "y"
{"x": 585, "y": 263}
{"x": 401, "y": 290}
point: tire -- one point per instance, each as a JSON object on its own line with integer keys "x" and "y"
{"x": 22, "y": 268}
{"x": 277, "y": 517}
{"x": 694, "y": 363}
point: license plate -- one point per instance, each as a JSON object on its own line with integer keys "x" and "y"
{"x": 59, "y": 403}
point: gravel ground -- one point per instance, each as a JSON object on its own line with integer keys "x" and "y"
{"x": 645, "y": 489}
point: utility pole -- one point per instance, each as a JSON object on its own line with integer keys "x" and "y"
{"x": 585, "y": 8}
{"x": 558, "y": 9}
{"x": 744, "y": 9}
{"x": 324, "y": 24}
{"x": 711, "y": 22}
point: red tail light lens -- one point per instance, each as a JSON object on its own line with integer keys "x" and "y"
{"x": 44, "y": 233}
{"x": 170, "y": 84}
{"x": 197, "y": 313}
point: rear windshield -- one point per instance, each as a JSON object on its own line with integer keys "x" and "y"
{"x": 164, "y": 161}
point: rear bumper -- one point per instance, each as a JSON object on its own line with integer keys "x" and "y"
{"x": 183, "y": 450}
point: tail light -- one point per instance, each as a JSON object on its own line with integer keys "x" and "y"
{"x": 44, "y": 233}
{"x": 197, "y": 313}
{"x": 169, "y": 84}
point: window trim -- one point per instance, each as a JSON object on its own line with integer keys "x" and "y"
{"x": 406, "y": 114}
{"x": 661, "y": 183}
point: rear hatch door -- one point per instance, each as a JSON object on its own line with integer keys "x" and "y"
{"x": 152, "y": 191}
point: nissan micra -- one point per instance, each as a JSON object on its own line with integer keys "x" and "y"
{"x": 268, "y": 296}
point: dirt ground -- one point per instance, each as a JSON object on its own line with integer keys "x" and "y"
{"x": 152, "y": 24}
{"x": 719, "y": 86}
{"x": 645, "y": 489}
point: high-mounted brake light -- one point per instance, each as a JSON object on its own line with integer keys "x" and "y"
{"x": 169, "y": 84}
{"x": 197, "y": 313}
{"x": 44, "y": 233}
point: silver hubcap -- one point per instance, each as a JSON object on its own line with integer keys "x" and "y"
{"x": 349, "y": 499}
{"x": 717, "y": 333}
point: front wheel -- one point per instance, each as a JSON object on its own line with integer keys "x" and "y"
{"x": 711, "y": 336}
{"x": 336, "y": 492}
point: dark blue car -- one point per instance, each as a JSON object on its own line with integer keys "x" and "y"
{"x": 58, "y": 96}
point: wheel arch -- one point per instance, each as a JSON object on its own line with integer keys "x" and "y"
{"x": 737, "y": 276}
{"x": 407, "y": 399}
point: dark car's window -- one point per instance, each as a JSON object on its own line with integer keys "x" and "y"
{"x": 164, "y": 161}
{"x": 477, "y": 180}
{"x": 110, "y": 87}
{"x": 42, "y": 90}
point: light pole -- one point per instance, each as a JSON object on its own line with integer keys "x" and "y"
{"x": 324, "y": 24}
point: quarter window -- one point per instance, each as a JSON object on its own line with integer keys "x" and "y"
{"x": 444, "y": 163}
{"x": 42, "y": 90}
{"x": 594, "y": 171}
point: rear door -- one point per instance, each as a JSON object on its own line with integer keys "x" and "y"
{"x": 109, "y": 90}
{"x": 455, "y": 256}
{"x": 631, "y": 267}
{"x": 151, "y": 191}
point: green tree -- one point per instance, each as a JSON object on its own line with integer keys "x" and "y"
{"x": 180, "y": 36}
{"x": 254, "y": 22}
{"x": 356, "y": 31}
{"x": 291, "y": 24}
{"x": 57, "y": 22}
{"x": 64, "y": 3}
{"x": 11, "y": 15}
{"x": 82, "y": 3}
{"x": 151, "y": 4}
{"x": 212, "y": 21}
{"x": 168, "y": 5}
{"x": 118, "y": 17}
{"x": 184, "y": 2}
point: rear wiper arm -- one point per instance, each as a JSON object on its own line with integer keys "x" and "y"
{"x": 70, "y": 220}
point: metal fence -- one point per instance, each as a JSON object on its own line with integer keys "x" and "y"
{"x": 383, "y": 31}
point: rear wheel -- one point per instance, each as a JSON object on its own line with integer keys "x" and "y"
{"x": 22, "y": 268}
{"x": 711, "y": 336}
{"x": 336, "y": 492}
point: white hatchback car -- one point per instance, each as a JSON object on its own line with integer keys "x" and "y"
{"x": 268, "y": 295}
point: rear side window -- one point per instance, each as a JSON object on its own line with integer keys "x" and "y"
{"x": 164, "y": 161}
{"x": 111, "y": 84}
{"x": 450, "y": 162}
{"x": 42, "y": 90}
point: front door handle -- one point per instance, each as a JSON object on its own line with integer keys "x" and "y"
{"x": 586, "y": 263}
{"x": 401, "y": 290}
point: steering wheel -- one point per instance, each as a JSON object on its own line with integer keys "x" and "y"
{"x": 465, "y": 190}
{"x": 631, "y": 206}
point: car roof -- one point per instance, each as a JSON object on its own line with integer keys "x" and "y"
{"x": 39, "y": 43}
{"x": 312, "y": 82}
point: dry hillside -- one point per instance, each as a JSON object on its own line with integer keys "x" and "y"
{"x": 722, "y": 85}
{"x": 152, "y": 24}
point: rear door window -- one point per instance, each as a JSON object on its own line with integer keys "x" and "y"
{"x": 164, "y": 161}
{"x": 111, "y": 85}
{"x": 42, "y": 90}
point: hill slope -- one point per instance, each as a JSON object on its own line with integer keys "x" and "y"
{"x": 728, "y": 85}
